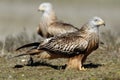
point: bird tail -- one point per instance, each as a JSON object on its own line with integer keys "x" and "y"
{"x": 36, "y": 44}
{"x": 29, "y": 52}
{"x": 32, "y": 51}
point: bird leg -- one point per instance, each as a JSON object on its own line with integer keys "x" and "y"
{"x": 84, "y": 59}
{"x": 30, "y": 61}
{"x": 76, "y": 62}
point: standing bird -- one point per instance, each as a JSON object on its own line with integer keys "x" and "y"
{"x": 49, "y": 25}
{"x": 75, "y": 46}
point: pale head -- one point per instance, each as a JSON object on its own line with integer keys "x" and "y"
{"x": 96, "y": 22}
{"x": 45, "y": 7}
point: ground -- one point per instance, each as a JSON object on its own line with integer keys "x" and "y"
{"x": 101, "y": 65}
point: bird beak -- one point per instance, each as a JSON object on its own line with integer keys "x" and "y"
{"x": 40, "y": 9}
{"x": 102, "y": 23}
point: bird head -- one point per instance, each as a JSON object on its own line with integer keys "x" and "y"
{"x": 97, "y": 21}
{"x": 45, "y": 7}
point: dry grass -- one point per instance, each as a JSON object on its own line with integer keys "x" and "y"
{"x": 11, "y": 42}
{"x": 103, "y": 64}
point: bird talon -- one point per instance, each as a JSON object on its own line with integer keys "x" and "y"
{"x": 82, "y": 69}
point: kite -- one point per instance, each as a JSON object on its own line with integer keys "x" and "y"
{"x": 75, "y": 46}
{"x": 49, "y": 25}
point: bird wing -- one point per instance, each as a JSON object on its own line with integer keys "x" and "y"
{"x": 65, "y": 44}
{"x": 42, "y": 30}
{"x": 39, "y": 31}
{"x": 57, "y": 28}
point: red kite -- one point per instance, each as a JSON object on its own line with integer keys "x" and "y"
{"x": 75, "y": 46}
{"x": 49, "y": 25}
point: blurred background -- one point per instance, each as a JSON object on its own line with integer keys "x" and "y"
{"x": 17, "y": 15}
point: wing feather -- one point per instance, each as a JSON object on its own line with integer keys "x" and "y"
{"x": 57, "y": 28}
{"x": 65, "y": 45}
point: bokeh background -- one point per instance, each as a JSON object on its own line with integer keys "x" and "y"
{"x": 17, "y": 15}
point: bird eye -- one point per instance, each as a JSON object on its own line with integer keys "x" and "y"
{"x": 96, "y": 19}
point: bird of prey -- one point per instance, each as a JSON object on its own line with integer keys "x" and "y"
{"x": 75, "y": 46}
{"x": 49, "y": 25}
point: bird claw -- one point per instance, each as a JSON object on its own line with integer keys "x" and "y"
{"x": 82, "y": 69}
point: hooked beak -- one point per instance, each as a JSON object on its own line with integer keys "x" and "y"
{"x": 40, "y": 9}
{"x": 102, "y": 23}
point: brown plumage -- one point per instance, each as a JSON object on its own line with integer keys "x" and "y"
{"x": 75, "y": 45}
{"x": 49, "y": 25}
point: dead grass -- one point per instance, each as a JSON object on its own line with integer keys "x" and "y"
{"x": 11, "y": 42}
{"x": 103, "y": 64}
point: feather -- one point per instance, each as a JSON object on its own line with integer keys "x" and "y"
{"x": 28, "y": 45}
